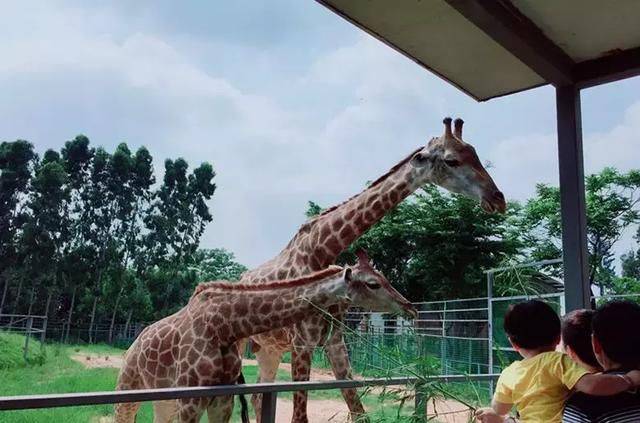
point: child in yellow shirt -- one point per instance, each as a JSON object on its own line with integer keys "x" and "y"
{"x": 539, "y": 384}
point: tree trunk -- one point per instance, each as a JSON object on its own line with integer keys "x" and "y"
{"x": 73, "y": 301}
{"x": 93, "y": 310}
{"x": 113, "y": 316}
{"x": 31, "y": 298}
{"x": 4, "y": 294}
{"x": 46, "y": 307}
{"x": 16, "y": 305}
{"x": 93, "y": 316}
{"x": 126, "y": 325}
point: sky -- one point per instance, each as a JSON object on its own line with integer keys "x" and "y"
{"x": 288, "y": 102}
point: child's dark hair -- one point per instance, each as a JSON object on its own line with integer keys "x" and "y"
{"x": 576, "y": 334}
{"x": 615, "y": 325}
{"x": 532, "y": 324}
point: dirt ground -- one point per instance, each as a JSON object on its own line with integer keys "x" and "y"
{"x": 319, "y": 411}
{"x": 94, "y": 361}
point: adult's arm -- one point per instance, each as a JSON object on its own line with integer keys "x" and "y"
{"x": 607, "y": 384}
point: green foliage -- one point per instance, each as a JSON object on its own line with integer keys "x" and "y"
{"x": 216, "y": 264}
{"x": 16, "y": 166}
{"x": 631, "y": 262}
{"x": 87, "y": 237}
{"x": 612, "y": 207}
{"x": 313, "y": 209}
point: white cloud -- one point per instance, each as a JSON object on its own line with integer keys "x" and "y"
{"x": 523, "y": 161}
{"x": 616, "y": 147}
{"x": 340, "y": 121}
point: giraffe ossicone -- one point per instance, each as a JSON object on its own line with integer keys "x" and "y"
{"x": 197, "y": 345}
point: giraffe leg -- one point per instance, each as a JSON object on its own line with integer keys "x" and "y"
{"x": 338, "y": 356}
{"x": 165, "y": 411}
{"x": 268, "y": 362}
{"x": 191, "y": 410}
{"x": 126, "y": 412}
{"x": 300, "y": 371}
{"x": 220, "y": 409}
{"x": 127, "y": 379}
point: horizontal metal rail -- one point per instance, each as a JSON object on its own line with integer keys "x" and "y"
{"x": 35, "y": 316}
{"x": 454, "y": 310}
{"x": 451, "y": 301}
{"x": 524, "y": 265}
{"x": 25, "y": 402}
{"x": 451, "y": 320}
{"x": 524, "y": 297}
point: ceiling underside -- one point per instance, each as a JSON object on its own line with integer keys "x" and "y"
{"x": 493, "y": 48}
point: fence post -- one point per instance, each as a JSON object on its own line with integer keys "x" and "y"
{"x": 420, "y": 406}
{"x": 490, "y": 326}
{"x": 268, "y": 413}
{"x": 443, "y": 342}
{"x": 28, "y": 335}
{"x": 43, "y": 335}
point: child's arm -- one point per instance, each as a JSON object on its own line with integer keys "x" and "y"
{"x": 495, "y": 414}
{"x": 607, "y": 384}
{"x": 501, "y": 408}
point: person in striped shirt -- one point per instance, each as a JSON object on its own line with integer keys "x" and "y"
{"x": 616, "y": 345}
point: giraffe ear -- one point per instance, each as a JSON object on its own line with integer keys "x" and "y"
{"x": 363, "y": 257}
{"x": 347, "y": 275}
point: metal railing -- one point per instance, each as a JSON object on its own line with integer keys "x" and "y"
{"x": 24, "y": 323}
{"x": 269, "y": 390}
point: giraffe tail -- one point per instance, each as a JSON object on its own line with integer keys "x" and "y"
{"x": 244, "y": 407}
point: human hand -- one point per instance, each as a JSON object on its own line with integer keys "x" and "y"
{"x": 488, "y": 415}
{"x": 634, "y": 376}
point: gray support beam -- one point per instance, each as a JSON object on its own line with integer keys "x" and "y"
{"x": 269, "y": 403}
{"x": 514, "y": 31}
{"x": 613, "y": 67}
{"x": 572, "y": 198}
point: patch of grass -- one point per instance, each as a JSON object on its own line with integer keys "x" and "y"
{"x": 60, "y": 374}
{"x": 12, "y": 351}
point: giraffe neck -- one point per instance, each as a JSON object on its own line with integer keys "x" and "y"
{"x": 340, "y": 227}
{"x": 320, "y": 240}
{"x": 238, "y": 311}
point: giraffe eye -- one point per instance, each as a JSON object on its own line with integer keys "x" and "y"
{"x": 452, "y": 162}
{"x": 373, "y": 285}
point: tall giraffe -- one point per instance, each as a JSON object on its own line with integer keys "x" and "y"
{"x": 197, "y": 345}
{"x": 446, "y": 161}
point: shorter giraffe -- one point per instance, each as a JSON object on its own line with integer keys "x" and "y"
{"x": 196, "y": 346}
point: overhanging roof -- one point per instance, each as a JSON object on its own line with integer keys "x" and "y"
{"x": 490, "y": 48}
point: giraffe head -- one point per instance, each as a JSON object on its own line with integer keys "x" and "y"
{"x": 451, "y": 163}
{"x": 369, "y": 289}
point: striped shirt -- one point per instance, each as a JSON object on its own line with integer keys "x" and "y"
{"x": 621, "y": 408}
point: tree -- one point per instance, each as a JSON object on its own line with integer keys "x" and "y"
{"x": 631, "y": 262}
{"x": 46, "y": 233}
{"x": 78, "y": 263}
{"x": 131, "y": 181}
{"x": 612, "y": 206}
{"x": 16, "y": 164}
{"x": 179, "y": 212}
{"x": 216, "y": 264}
{"x": 175, "y": 223}
{"x": 99, "y": 217}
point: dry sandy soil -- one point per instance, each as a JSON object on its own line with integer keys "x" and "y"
{"x": 320, "y": 411}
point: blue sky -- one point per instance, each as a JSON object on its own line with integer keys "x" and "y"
{"x": 289, "y": 103}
